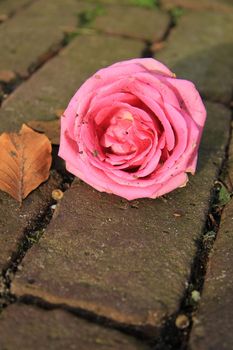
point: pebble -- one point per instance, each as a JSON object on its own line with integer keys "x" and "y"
{"x": 57, "y": 194}
{"x": 182, "y": 321}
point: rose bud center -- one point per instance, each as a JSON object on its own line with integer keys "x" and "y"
{"x": 119, "y": 137}
{"x": 125, "y": 137}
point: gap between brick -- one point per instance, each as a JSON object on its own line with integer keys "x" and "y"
{"x": 90, "y": 316}
{"x": 9, "y": 88}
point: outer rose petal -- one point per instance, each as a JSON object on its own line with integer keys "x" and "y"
{"x": 191, "y": 166}
{"x": 179, "y": 180}
{"x": 104, "y": 184}
{"x": 125, "y": 68}
{"x": 68, "y": 149}
{"x": 149, "y": 63}
{"x": 191, "y": 98}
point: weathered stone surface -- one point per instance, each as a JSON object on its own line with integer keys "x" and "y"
{"x": 200, "y": 49}
{"x": 230, "y": 159}
{"x": 213, "y": 323}
{"x": 138, "y": 3}
{"x": 9, "y": 7}
{"x": 215, "y": 5}
{"x": 26, "y": 327}
{"x": 136, "y": 22}
{"x": 52, "y": 87}
{"x": 117, "y": 258}
{"x": 28, "y": 37}
{"x": 14, "y": 220}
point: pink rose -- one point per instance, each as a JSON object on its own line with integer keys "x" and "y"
{"x": 133, "y": 129}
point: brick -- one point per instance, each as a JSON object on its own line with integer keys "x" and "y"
{"x": 15, "y": 220}
{"x": 116, "y": 258}
{"x": 135, "y": 22}
{"x": 26, "y": 327}
{"x": 200, "y": 49}
{"x": 52, "y": 87}
{"x": 34, "y": 33}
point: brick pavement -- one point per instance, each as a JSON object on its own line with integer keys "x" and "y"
{"x": 100, "y": 272}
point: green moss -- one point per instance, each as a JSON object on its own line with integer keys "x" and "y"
{"x": 175, "y": 13}
{"x": 145, "y": 3}
{"x": 34, "y": 238}
{"x": 85, "y": 18}
{"x": 224, "y": 195}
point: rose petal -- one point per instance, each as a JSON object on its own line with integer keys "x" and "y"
{"x": 174, "y": 182}
{"x": 150, "y": 64}
{"x": 190, "y": 99}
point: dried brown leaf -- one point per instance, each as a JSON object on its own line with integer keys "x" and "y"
{"x": 50, "y": 127}
{"x": 25, "y": 160}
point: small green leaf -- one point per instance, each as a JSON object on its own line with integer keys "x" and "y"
{"x": 85, "y": 18}
{"x": 195, "y": 295}
{"x": 176, "y": 13}
{"x": 224, "y": 196}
